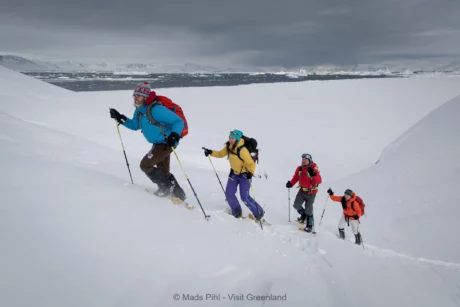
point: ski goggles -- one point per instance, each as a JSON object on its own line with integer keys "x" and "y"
{"x": 307, "y": 156}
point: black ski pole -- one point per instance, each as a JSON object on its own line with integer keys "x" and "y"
{"x": 178, "y": 160}
{"x": 216, "y": 174}
{"x": 289, "y": 204}
{"x": 124, "y": 152}
{"x": 255, "y": 201}
{"x": 360, "y": 236}
{"x": 323, "y": 211}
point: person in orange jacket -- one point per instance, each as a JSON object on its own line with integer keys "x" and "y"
{"x": 308, "y": 176}
{"x": 351, "y": 213}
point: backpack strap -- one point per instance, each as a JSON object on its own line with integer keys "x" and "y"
{"x": 314, "y": 188}
{"x": 152, "y": 120}
{"x": 238, "y": 150}
{"x": 237, "y": 154}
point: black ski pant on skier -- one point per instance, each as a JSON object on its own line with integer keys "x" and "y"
{"x": 156, "y": 165}
{"x": 307, "y": 212}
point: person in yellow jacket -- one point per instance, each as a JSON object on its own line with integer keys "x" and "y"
{"x": 243, "y": 168}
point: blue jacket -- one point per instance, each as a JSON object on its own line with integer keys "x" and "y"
{"x": 152, "y": 133}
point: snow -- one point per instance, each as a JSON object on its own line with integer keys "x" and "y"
{"x": 76, "y": 232}
{"x": 417, "y": 175}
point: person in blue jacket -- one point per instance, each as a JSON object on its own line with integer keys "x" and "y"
{"x": 156, "y": 163}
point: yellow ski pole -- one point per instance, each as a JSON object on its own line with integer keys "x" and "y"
{"x": 178, "y": 160}
{"x": 124, "y": 152}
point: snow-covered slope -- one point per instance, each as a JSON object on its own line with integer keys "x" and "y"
{"x": 412, "y": 193}
{"x": 75, "y": 232}
{"x": 21, "y": 64}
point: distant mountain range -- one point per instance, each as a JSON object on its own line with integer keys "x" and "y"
{"x": 21, "y": 64}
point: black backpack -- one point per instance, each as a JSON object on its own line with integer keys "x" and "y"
{"x": 251, "y": 146}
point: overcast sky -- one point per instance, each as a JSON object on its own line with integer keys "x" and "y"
{"x": 266, "y": 33}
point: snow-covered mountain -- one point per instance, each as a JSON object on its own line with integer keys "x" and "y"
{"x": 21, "y": 64}
{"x": 76, "y": 232}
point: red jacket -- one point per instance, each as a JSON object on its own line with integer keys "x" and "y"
{"x": 308, "y": 184}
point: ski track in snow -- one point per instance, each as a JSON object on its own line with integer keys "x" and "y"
{"x": 308, "y": 242}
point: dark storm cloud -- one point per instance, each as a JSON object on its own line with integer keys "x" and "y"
{"x": 260, "y": 32}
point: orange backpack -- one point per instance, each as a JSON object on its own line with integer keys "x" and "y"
{"x": 361, "y": 204}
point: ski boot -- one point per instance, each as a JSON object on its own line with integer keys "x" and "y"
{"x": 165, "y": 186}
{"x": 259, "y": 216}
{"x": 301, "y": 219}
{"x": 177, "y": 191}
{"x": 154, "y": 175}
{"x": 309, "y": 226}
{"x": 342, "y": 233}
{"x": 358, "y": 239}
{"x": 164, "y": 190}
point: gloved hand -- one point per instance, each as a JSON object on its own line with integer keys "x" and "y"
{"x": 173, "y": 138}
{"x": 288, "y": 185}
{"x": 356, "y": 217}
{"x": 311, "y": 171}
{"x": 120, "y": 118}
{"x": 249, "y": 175}
{"x": 330, "y": 192}
{"x": 207, "y": 152}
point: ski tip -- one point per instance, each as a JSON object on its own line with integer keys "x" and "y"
{"x": 303, "y": 229}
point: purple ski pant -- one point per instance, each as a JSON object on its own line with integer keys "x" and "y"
{"x": 230, "y": 191}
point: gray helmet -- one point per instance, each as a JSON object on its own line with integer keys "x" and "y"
{"x": 349, "y": 192}
{"x": 307, "y": 156}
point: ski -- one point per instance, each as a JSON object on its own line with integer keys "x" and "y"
{"x": 174, "y": 200}
{"x": 251, "y": 217}
{"x": 303, "y": 230}
{"x": 264, "y": 221}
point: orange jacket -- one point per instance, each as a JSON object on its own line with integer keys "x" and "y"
{"x": 350, "y": 207}
{"x": 308, "y": 184}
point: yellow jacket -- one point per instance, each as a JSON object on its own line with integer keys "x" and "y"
{"x": 238, "y": 166}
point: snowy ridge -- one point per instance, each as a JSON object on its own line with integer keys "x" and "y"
{"x": 414, "y": 176}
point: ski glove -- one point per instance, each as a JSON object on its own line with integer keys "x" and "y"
{"x": 330, "y": 191}
{"x": 249, "y": 175}
{"x": 311, "y": 171}
{"x": 173, "y": 138}
{"x": 356, "y": 217}
{"x": 288, "y": 185}
{"x": 120, "y": 118}
{"x": 207, "y": 152}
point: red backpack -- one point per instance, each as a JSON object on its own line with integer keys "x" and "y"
{"x": 361, "y": 204}
{"x": 154, "y": 100}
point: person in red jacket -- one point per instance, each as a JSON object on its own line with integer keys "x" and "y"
{"x": 309, "y": 178}
{"x": 351, "y": 213}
